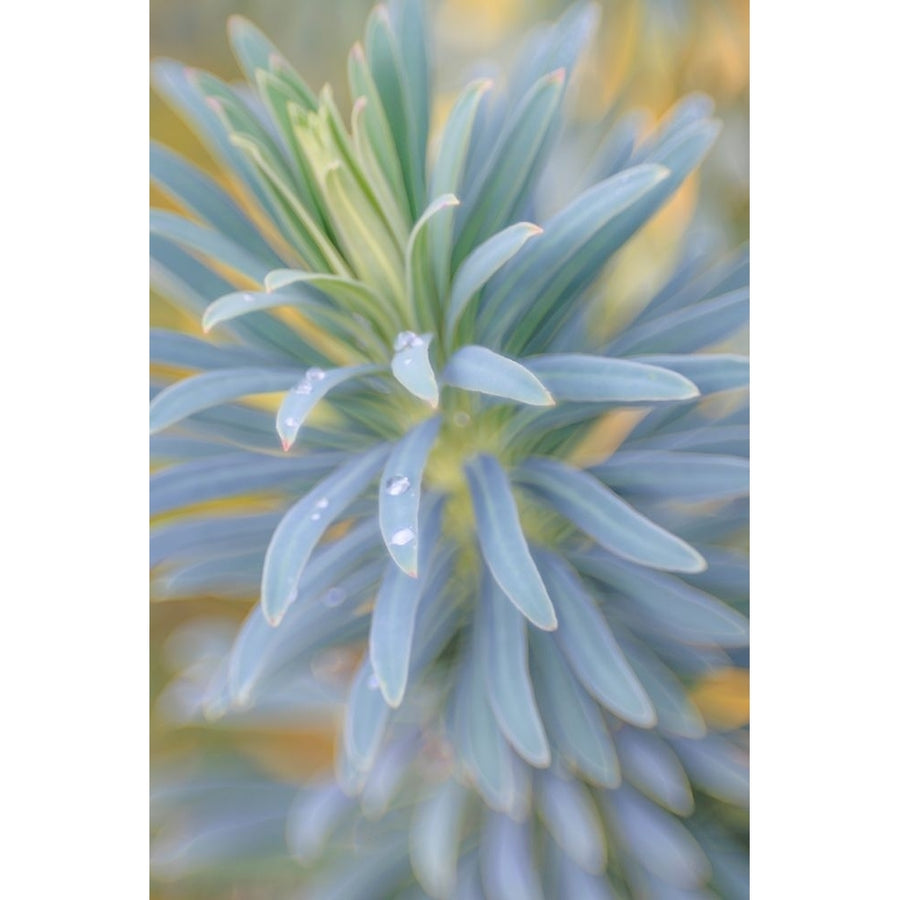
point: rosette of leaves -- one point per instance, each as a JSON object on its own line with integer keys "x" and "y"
{"x": 506, "y": 606}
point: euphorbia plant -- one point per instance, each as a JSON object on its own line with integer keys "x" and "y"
{"x": 508, "y": 617}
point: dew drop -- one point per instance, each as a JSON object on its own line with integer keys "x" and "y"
{"x": 291, "y": 423}
{"x": 316, "y": 516}
{"x": 402, "y": 537}
{"x": 305, "y": 387}
{"x": 407, "y": 339}
{"x": 372, "y": 683}
{"x": 322, "y": 504}
{"x": 397, "y": 485}
{"x": 461, "y": 419}
{"x": 248, "y": 298}
{"x": 334, "y": 596}
{"x": 315, "y": 374}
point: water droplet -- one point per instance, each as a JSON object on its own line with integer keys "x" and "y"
{"x": 316, "y": 516}
{"x": 397, "y": 485}
{"x": 407, "y": 361}
{"x": 372, "y": 683}
{"x": 402, "y": 537}
{"x": 248, "y": 298}
{"x": 407, "y": 339}
{"x": 315, "y": 374}
{"x": 291, "y": 422}
{"x": 461, "y": 419}
{"x": 334, "y": 596}
{"x": 322, "y": 504}
{"x": 305, "y": 387}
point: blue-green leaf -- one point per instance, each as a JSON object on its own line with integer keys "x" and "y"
{"x": 303, "y": 526}
{"x": 572, "y": 819}
{"x": 412, "y": 367}
{"x": 365, "y": 719}
{"x": 718, "y": 767}
{"x": 476, "y": 368}
{"x": 200, "y": 392}
{"x": 478, "y": 267}
{"x": 434, "y": 839}
{"x": 597, "y": 379}
{"x": 590, "y": 647}
{"x": 172, "y": 348}
{"x": 306, "y": 393}
{"x": 651, "y": 765}
{"x": 506, "y": 671}
{"x": 575, "y": 725}
{"x": 507, "y": 861}
{"x": 672, "y": 606}
{"x": 711, "y": 372}
{"x": 608, "y": 519}
{"x": 421, "y": 290}
{"x": 503, "y": 543}
{"x": 689, "y": 477}
{"x": 400, "y": 494}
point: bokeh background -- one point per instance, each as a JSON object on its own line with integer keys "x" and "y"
{"x": 646, "y": 55}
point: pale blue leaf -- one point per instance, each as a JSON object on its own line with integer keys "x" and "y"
{"x": 303, "y": 526}
{"x": 571, "y": 817}
{"x": 172, "y": 348}
{"x": 412, "y": 367}
{"x": 574, "y": 723}
{"x": 508, "y": 680}
{"x": 306, "y": 393}
{"x": 365, "y": 719}
{"x": 688, "y": 477}
{"x": 672, "y": 606}
{"x": 503, "y": 543}
{"x": 507, "y": 861}
{"x": 590, "y": 647}
{"x": 313, "y": 818}
{"x": 711, "y": 372}
{"x": 597, "y": 379}
{"x": 606, "y": 518}
{"x": 434, "y": 839}
{"x": 400, "y": 493}
{"x": 718, "y": 767}
{"x": 651, "y": 766}
{"x": 475, "y": 368}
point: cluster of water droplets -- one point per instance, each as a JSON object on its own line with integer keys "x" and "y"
{"x": 320, "y": 505}
{"x": 397, "y": 485}
{"x": 312, "y": 375}
{"x": 406, "y": 340}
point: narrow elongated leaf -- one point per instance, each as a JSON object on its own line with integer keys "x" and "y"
{"x": 503, "y": 543}
{"x": 574, "y": 723}
{"x": 650, "y": 764}
{"x": 608, "y": 519}
{"x": 511, "y": 166}
{"x": 172, "y": 348}
{"x": 434, "y": 839}
{"x": 573, "y": 881}
{"x": 572, "y": 819}
{"x": 711, "y": 372}
{"x": 447, "y": 174}
{"x": 306, "y": 393}
{"x": 303, "y": 526}
{"x": 391, "y": 634}
{"x": 478, "y": 267}
{"x": 208, "y": 243}
{"x": 191, "y": 395}
{"x": 313, "y": 818}
{"x": 412, "y": 367}
{"x": 421, "y": 289}
{"x": 658, "y": 839}
{"x": 400, "y": 494}
{"x": 231, "y": 475}
{"x": 689, "y": 477}
{"x": 590, "y": 647}
{"x": 672, "y": 606}
{"x": 507, "y": 861}
{"x": 598, "y": 379}
{"x": 718, "y": 767}
{"x": 508, "y": 680}
{"x": 365, "y": 719}
{"x": 484, "y": 753}
{"x": 200, "y": 195}
{"x": 476, "y": 368}
{"x": 684, "y": 330}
